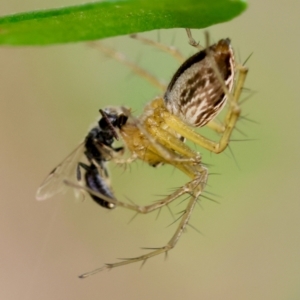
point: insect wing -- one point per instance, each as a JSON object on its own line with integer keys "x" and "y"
{"x": 54, "y": 182}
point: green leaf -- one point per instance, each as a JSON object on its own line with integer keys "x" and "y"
{"x": 111, "y": 18}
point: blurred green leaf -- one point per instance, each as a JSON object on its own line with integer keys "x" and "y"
{"x": 111, "y": 18}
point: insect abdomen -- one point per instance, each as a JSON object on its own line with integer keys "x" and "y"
{"x": 98, "y": 184}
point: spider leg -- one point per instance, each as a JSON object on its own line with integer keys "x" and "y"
{"x": 195, "y": 188}
{"x": 215, "y": 126}
{"x": 197, "y": 173}
{"x": 168, "y": 49}
{"x": 147, "y": 140}
{"x": 192, "y": 41}
{"x": 125, "y": 161}
{"x": 230, "y": 121}
{"x": 120, "y": 57}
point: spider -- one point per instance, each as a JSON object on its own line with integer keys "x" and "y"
{"x": 197, "y": 92}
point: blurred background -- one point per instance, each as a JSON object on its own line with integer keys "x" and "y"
{"x": 250, "y": 241}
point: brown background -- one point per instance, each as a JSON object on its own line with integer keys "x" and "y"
{"x": 250, "y": 244}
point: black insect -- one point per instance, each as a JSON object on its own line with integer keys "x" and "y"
{"x": 97, "y": 148}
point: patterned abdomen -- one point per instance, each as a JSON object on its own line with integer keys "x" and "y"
{"x": 196, "y": 92}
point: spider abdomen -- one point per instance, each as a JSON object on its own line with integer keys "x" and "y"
{"x": 196, "y": 93}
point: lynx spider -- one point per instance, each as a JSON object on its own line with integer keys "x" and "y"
{"x": 156, "y": 136}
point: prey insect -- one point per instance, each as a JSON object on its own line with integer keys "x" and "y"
{"x": 97, "y": 148}
{"x": 197, "y": 92}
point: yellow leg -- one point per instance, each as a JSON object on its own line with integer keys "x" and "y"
{"x": 118, "y": 56}
{"x": 229, "y": 122}
{"x": 194, "y": 187}
{"x": 168, "y": 49}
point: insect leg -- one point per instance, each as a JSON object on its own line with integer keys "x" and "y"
{"x": 78, "y": 171}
